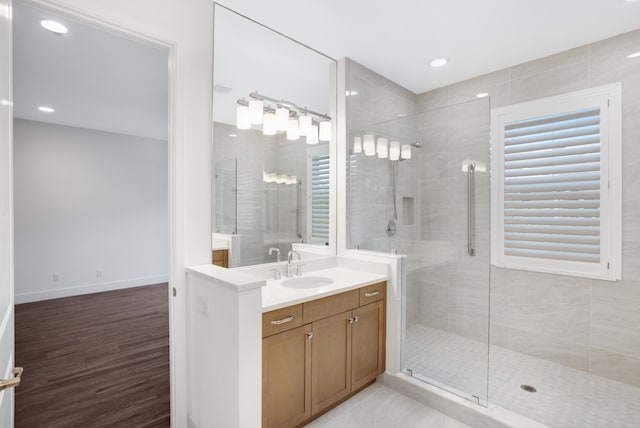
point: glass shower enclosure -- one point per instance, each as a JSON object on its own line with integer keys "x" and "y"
{"x": 432, "y": 205}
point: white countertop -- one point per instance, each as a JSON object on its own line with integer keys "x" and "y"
{"x": 276, "y": 296}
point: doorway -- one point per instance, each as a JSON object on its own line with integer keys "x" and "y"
{"x": 91, "y": 222}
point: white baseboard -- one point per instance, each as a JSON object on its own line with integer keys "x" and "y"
{"x": 87, "y": 289}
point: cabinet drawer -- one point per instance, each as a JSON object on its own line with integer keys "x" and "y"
{"x": 281, "y": 320}
{"x": 328, "y": 306}
{"x": 372, "y": 293}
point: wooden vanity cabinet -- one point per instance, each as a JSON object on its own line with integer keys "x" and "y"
{"x": 286, "y": 374}
{"x": 308, "y": 369}
{"x": 330, "y": 361}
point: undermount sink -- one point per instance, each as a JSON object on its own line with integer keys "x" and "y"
{"x": 307, "y": 282}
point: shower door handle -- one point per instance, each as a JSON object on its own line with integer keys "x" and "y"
{"x": 471, "y": 169}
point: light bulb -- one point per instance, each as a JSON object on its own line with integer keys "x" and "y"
{"x": 394, "y": 150}
{"x": 312, "y": 135}
{"x": 369, "y": 144}
{"x": 256, "y": 109}
{"x": 382, "y": 148}
{"x": 292, "y": 130}
{"x": 282, "y": 118}
{"x": 242, "y": 117}
{"x": 357, "y": 145}
{"x": 405, "y": 152}
{"x": 269, "y": 126}
{"x": 325, "y": 131}
{"x": 305, "y": 123}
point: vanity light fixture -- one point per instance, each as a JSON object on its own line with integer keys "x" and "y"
{"x": 256, "y": 110}
{"x": 357, "y": 145}
{"x": 243, "y": 120}
{"x": 46, "y": 109}
{"x": 394, "y": 150}
{"x": 438, "y": 62}
{"x": 482, "y": 94}
{"x": 282, "y": 116}
{"x": 312, "y": 135}
{"x": 369, "y": 144}
{"x": 54, "y": 26}
{"x": 382, "y": 148}
{"x": 305, "y": 124}
{"x": 325, "y": 131}
{"x": 293, "y": 130}
{"x": 269, "y": 124}
{"x": 634, "y": 55}
{"x": 405, "y": 151}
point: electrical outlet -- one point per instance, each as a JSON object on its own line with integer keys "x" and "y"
{"x": 56, "y": 277}
{"x": 99, "y": 273}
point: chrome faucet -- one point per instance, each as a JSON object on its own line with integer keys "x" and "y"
{"x": 277, "y": 250}
{"x": 289, "y": 258}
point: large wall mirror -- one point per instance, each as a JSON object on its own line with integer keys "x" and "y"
{"x": 273, "y": 135}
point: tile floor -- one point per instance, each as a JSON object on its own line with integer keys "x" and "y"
{"x": 565, "y": 397}
{"x": 381, "y": 407}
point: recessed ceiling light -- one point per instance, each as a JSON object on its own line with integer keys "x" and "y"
{"x": 233, "y": 135}
{"x": 46, "y": 109}
{"x": 438, "y": 62}
{"x": 629, "y": 1}
{"x": 351, "y": 93}
{"x": 482, "y": 95}
{"x": 634, "y": 55}
{"x": 401, "y": 114}
{"x": 54, "y": 26}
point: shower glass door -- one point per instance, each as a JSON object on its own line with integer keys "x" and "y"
{"x": 432, "y": 206}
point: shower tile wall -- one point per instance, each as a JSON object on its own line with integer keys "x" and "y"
{"x": 262, "y": 220}
{"x": 589, "y": 325}
{"x": 377, "y": 100}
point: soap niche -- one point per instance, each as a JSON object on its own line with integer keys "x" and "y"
{"x": 408, "y": 214}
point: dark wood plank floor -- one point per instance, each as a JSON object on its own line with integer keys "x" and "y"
{"x": 98, "y": 360}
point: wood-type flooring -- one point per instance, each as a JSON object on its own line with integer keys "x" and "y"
{"x": 97, "y": 360}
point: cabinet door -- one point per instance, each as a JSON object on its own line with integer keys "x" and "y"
{"x": 368, "y": 343}
{"x": 330, "y": 361}
{"x": 286, "y": 375}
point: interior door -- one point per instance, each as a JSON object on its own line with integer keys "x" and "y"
{"x": 6, "y": 214}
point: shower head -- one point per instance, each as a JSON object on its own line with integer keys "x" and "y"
{"x": 417, "y": 144}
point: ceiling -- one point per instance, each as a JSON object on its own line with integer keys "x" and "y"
{"x": 100, "y": 80}
{"x": 398, "y": 39}
{"x": 93, "y": 78}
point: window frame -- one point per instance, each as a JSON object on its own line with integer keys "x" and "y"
{"x": 608, "y": 98}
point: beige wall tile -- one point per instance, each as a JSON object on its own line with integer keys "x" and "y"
{"x": 550, "y": 348}
{"x": 615, "y": 366}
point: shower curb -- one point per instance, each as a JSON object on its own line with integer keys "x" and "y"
{"x": 456, "y": 407}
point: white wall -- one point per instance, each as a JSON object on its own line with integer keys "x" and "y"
{"x": 87, "y": 201}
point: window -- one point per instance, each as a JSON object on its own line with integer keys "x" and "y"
{"x": 319, "y": 198}
{"x": 556, "y": 184}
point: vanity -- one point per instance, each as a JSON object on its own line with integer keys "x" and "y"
{"x": 320, "y": 344}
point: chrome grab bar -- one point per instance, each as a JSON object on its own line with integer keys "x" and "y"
{"x": 471, "y": 169}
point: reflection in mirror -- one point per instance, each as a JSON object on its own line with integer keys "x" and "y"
{"x": 273, "y": 104}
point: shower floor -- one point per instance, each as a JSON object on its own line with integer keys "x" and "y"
{"x": 565, "y": 397}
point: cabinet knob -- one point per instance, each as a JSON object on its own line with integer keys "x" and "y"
{"x": 310, "y": 335}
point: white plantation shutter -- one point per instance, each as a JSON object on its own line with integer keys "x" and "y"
{"x": 320, "y": 198}
{"x": 551, "y": 173}
{"x": 552, "y": 187}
